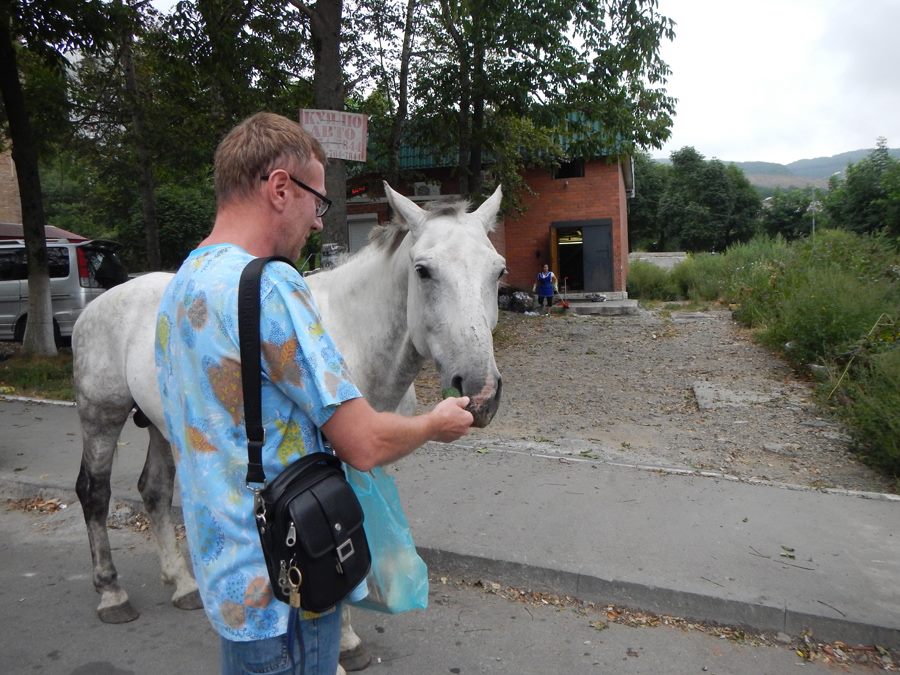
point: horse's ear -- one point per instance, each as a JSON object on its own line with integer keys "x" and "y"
{"x": 489, "y": 209}
{"x": 411, "y": 214}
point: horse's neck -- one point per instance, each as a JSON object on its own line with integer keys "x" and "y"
{"x": 363, "y": 304}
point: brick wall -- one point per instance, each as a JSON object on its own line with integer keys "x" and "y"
{"x": 525, "y": 241}
{"x": 599, "y": 194}
{"x": 10, "y": 206}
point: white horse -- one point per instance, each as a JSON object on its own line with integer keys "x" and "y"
{"x": 424, "y": 288}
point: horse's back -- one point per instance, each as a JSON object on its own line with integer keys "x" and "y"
{"x": 113, "y": 343}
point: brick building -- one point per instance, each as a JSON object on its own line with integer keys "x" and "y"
{"x": 10, "y": 206}
{"x": 576, "y": 221}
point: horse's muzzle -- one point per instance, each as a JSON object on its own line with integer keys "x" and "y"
{"x": 483, "y": 405}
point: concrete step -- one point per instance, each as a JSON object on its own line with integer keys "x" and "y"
{"x": 592, "y": 295}
{"x": 608, "y": 308}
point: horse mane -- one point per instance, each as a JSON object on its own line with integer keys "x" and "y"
{"x": 388, "y": 237}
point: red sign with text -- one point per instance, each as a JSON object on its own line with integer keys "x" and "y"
{"x": 343, "y": 135}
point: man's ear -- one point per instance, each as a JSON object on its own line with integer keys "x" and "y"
{"x": 275, "y": 189}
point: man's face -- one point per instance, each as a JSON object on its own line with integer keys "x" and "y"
{"x": 304, "y": 219}
{"x": 546, "y": 268}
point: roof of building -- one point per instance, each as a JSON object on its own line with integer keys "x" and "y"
{"x": 578, "y": 133}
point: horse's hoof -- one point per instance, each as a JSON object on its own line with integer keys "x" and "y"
{"x": 354, "y": 659}
{"x": 190, "y": 601}
{"x": 118, "y": 614}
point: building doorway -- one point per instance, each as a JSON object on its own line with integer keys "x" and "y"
{"x": 581, "y": 254}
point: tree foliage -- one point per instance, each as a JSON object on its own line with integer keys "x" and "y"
{"x": 867, "y": 197}
{"x": 498, "y": 84}
{"x": 40, "y": 34}
{"x": 790, "y": 213}
{"x": 586, "y": 70}
{"x": 693, "y": 204}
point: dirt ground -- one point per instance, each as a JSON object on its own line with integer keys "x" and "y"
{"x": 682, "y": 389}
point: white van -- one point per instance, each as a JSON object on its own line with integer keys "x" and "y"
{"x": 79, "y": 272}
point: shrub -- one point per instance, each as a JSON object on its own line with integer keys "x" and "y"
{"x": 871, "y": 400}
{"x": 701, "y": 277}
{"x": 649, "y": 282}
{"x": 821, "y": 312}
{"x": 184, "y": 215}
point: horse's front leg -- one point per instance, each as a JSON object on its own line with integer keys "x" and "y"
{"x": 101, "y": 432}
{"x": 156, "y": 486}
{"x": 354, "y": 655}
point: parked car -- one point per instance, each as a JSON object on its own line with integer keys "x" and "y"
{"x": 79, "y": 272}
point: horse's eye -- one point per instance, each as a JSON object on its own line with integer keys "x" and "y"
{"x": 423, "y": 272}
{"x": 502, "y": 273}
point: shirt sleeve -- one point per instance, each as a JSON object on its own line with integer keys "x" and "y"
{"x": 299, "y": 357}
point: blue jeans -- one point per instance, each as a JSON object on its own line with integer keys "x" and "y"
{"x": 321, "y": 640}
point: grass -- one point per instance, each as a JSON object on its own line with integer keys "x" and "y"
{"x": 38, "y": 376}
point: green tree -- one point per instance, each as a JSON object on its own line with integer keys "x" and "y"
{"x": 707, "y": 206}
{"x": 45, "y": 30}
{"x": 589, "y": 69}
{"x": 890, "y": 202}
{"x": 646, "y": 229}
{"x": 746, "y": 205}
{"x": 787, "y": 212}
{"x": 865, "y": 198}
{"x": 152, "y": 111}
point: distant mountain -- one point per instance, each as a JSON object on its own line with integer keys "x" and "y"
{"x": 802, "y": 173}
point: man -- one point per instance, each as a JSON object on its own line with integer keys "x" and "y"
{"x": 270, "y": 184}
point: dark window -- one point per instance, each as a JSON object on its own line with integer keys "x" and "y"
{"x": 572, "y": 169}
{"x": 58, "y": 261}
{"x": 12, "y": 265}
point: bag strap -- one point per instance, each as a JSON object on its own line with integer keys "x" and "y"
{"x": 251, "y": 363}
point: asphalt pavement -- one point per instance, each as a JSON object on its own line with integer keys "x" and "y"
{"x": 769, "y": 557}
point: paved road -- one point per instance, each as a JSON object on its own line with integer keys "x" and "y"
{"x": 48, "y": 624}
{"x": 769, "y": 557}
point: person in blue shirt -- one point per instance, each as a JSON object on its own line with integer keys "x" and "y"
{"x": 545, "y": 286}
{"x": 270, "y": 194}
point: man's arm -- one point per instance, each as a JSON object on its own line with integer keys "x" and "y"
{"x": 365, "y": 438}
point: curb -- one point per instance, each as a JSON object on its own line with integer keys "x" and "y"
{"x": 760, "y": 616}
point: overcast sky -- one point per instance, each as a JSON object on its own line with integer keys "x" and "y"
{"x": 782, "y": 80}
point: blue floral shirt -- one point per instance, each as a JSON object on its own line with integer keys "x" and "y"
{"x": 198, "y": 367}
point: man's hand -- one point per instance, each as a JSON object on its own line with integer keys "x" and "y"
{"x": 451, "y": 419}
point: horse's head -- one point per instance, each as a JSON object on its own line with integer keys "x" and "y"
{"x": 454, "y": 273}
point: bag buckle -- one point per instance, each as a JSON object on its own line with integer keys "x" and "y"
{"x": 345, "y": 550}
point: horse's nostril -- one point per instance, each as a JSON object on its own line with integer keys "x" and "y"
{"x": 457, "y": 384}
{"x": 499, "y": 388}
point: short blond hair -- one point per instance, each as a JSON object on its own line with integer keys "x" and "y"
{"x": 261, "y": 143}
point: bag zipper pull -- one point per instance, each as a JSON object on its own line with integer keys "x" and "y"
{"x": 291, "y": 538}
{"x": 283, "y": 578}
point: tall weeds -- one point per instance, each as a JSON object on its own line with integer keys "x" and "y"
{"x": 832, "y": 300}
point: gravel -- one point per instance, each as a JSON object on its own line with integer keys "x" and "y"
{"x": 681, "y": 390}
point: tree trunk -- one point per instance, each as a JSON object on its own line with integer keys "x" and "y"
{"x": 328, "y": 94}
{"x": 396, "y": 137}
{"x": 464, "y": 116}
{"x": 39, "y": 330}
{"x": 146, "y": 184}
{"x": 478, "y": 89}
